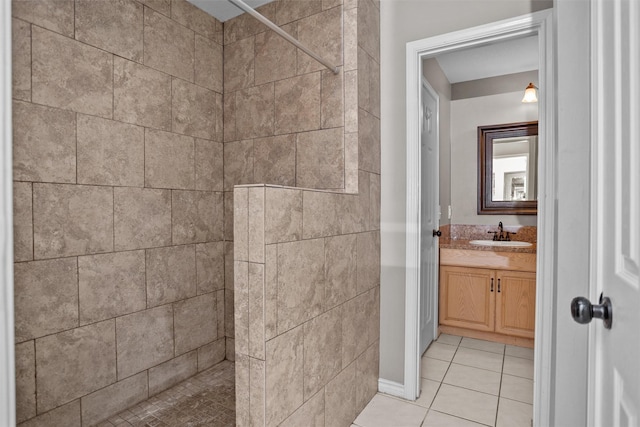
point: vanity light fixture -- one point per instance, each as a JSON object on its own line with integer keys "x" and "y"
{"x": 530, "y": 93}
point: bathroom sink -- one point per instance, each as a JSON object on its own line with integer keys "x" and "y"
{"x": 511, "y": 244}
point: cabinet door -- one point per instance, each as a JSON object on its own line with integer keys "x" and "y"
{"x": 516, "y": 303}
{"x": 466, "y": 297}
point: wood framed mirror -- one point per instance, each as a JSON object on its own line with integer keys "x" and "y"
{"x": 507, "y": 169}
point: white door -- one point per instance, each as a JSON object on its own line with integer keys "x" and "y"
{"x": 614, "y": 389}
{"x": 429, "y": 207}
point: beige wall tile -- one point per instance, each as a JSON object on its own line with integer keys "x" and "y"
{"x": 171, "y": 274}
{"x": 368, "y": 260}
{"x": 55, "y": 15}
{"x": 340, "y": 269}
{"x": 211, "y": 354}
{"x": 241, "y": 306}
{"x": 112, "y": 26}
{"x": 169, "y": 160}
{"x": 22, "y": 222}
{"x": 145, "y": 339}
{"x": 300, "y": 282}
{"x": 210, "y": 266}
{"x": 25, "y": 366}
{"x": 328, "y": 4}
{"x": 193, "y": 110}
{"x": 168, "y": 46}
{"x": 283, "y": 215}
{"x": 111, "y": 285}
{"x": 275, "y": 160}
{"x": 142, "y": 218}
{"x": 367, "y": 376}
{"x": 257, "y": 391}
{"x": 229, "y": 321}
{"x": 245, "y": 25}
{"x": 220, "y": 312}
{"x": 115, "y": 398}
{"x": 243, "y": 388}
{"x": 44, "y": 143}
{"x": 71, "y": 75}
{"x": 374, "y": 210}
{"x": 239, "y": 65}
{"x": 355, "y": 335}
{"x": 340, "y": 398}
{"x": 356, "y": 209}
{"x": 374, "y": 88}
{"x": 297, "y": 104}
{"x": 311, "y": 414}
{"x": 324, "y": 349}
{"x": 284, "y": 378}
{"x": 141, "y": 95}
{"x": 351, "y": 101}
{"x": 275, "y": 58}
{"x": 197, "y": 216}
{"x": 255, "y": 113}
{"x": 364, "y": 70}
{"x": 162, "y": 6}
{"x": 368, "y": 28}
{"x": 241, "y": 224}
{"x": 67, "y": 415}
{"x": 208, "y": 64}
{"x": 256, "y": 311}
{"x": 21, "y": 59}
{"x": 321, "y": 213}
{"x": 320, "y": 159}
{"x": 231, "y": 354}
{"x": 271, "y": 292}
{"x": 219, "y": 117}
{"x": 256, "y": 224}
{"x": 351, "y": 162}
{"x": 172, "y": 372}
{"x": 373, "y": 308}
{"x": 368, "y": 142}
{"x": 90, "y": 350}
{"x": 228, "y": 215}
{"x": 332, "y": 101}
{"x": 350, "y": 28}
{"x": 292, "y": 10}
{"x": 194, "y": 322}
{"x": 229, "y": 119}
{"x": 322, "y": 33}
{"x": 238, "y": 163}
{"x": 194, "y": 18}
{"x": 109, "y": 152}
{"x": 72, "y": 220}
{"x": 45, "y": 297}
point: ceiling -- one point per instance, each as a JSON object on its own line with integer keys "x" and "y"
{"x": 498, "y": 59}
{"x": 224, "y": 10}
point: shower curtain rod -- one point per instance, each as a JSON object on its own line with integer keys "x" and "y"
{"x": 242, "y": 5}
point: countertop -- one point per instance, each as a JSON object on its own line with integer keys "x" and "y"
{"x": 464, "y": 244}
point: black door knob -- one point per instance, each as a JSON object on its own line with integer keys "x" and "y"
{"x": 583, "y": 311}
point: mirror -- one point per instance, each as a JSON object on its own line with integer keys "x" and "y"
{"x": 507, "y": 169}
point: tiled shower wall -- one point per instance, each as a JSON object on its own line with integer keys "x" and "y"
{"x": 307, "y": 262}
{"x": 118, "y": 169}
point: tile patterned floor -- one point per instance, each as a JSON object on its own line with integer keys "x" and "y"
{"x": 466, "y": 383}
{"x": 207, "y": 399}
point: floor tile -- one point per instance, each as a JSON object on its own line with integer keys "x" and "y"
{"x": 441, "y": 351}
{"x": 491, "y": 347}
{"x": 438, "y": 419}
{"x": 428, "y": 390}
{"x": 384, "y": 411}
{"x": 518, "y": 367}
{"x": 517, "y": 388}
{"x": 433, "y": 369}
{"x": 449, "y": 339}
{"x": 514, "y": 414}
{"x": 523, "y": 352}
{"x": 467, "y": 404}
{"x": 479, "y": 359}
{"x": 473, "y": 378}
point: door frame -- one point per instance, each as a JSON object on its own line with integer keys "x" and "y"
{"x": 425, "y": 83}
{"x": 7, "y": 365}
{"x": 540, "y": 23}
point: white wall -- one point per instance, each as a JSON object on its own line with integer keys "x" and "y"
{"x": 466, "y": 116}
{"x": 402, "y": 22}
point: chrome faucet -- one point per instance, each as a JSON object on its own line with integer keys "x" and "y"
{"x": 501, "y": 235}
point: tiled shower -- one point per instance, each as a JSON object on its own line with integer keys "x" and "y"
{"x": 133, "y": 122}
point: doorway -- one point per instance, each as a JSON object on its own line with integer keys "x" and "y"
{"x": 533, "y": 24}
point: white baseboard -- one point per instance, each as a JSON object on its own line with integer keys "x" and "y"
{"x": 391, "y": 387}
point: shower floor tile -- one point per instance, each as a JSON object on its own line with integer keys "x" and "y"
{"x": 206, "y": 399}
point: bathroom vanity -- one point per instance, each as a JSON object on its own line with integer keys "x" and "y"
{"x": 488, "y": 292}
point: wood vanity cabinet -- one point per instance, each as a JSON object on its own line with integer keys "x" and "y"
{"x": 490, "y": 292}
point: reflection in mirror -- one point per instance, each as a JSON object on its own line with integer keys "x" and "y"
{"x": 507, "y": 169}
